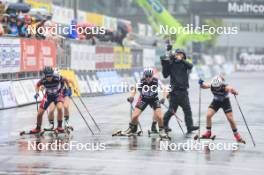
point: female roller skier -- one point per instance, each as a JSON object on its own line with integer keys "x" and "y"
{"x": 148, "y": 88}
{"x": 221, "y": 99}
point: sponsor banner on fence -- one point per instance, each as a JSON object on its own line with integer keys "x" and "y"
{"x": 62, "y": 15}
{"x": 82, "y": 57}
{"x": 94, "y": 83}
{"x": 19, "y": 93}
{"x": 104, "y": 57}
{"x": 122, "y": 58}
{"x": 8, "y": 98}
{"x": 47, "y": 53}
{"x": 29, "y": 55}
{"x": 137, "y": 57}
{"x": 37, "y": 54}
{"x": 149, "y": 56}
{"x": 110, "y": 23}
{"x": 29, "y": 89}
{"x": 9, "y": 55}
{"x": 110, "y": 82}
{"x": 94, "y": 18}
{"x": 69, "y": 74}
{"x": 43, "y": 4}
{"x": 84, "y": 88}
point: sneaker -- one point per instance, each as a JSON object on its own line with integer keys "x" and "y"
{"x": 207, "y": 134}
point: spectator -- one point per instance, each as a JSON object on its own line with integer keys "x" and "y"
{"x": 2, "y": 8}
{"x": 27, "y": 23}
{"x": 22, "y": 31}
{"x": 4, "y": 21}
{"x": 12, "y": 28}
{"x": 73, "y": 30}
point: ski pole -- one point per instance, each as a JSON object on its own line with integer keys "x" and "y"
{"x": 177, "y": 119}
{"x": 245, "y": 121}
{"x": 89, "y": 113}
{"x": 199, "y": 112}
{"x": 82, "y": 116}
{"x": 132, "y": 109}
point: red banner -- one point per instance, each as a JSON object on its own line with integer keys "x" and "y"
{"x": 29, "y": 55}
{"x": 35, "y": 54}
{"x": 104, "y": 57}
{"x": 47, "y": 53}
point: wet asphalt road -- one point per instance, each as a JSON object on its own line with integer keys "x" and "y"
{"x": 139, "y": 155}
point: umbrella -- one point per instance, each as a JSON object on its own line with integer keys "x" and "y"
{"x": 18, "y": 7}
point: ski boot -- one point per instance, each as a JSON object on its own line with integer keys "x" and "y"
{"x": 34, "y": 131}
{"x": 167, "y": 129}
{"x": 163, "y": 135}
{"x": 239, "y": 138}
{"x": 132, "y": 129}
{"x": 206, "y": 135}
{"x": 153, "y": 129}
{"x": 50, "y": 127}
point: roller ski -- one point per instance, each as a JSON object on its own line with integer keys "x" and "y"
{"x": 163, "y": 135}
{"x": 131, "y": 131}
{"x": 206, "y": 135}
{"x": 239, "y": 138}
{"x": 153, "y": 129}
{"x": 35, "y": 131}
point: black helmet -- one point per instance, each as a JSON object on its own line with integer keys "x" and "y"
{"x": 48, "y": 71}
{"x": 180, "y": 51}
{"x": 148, "y": 73}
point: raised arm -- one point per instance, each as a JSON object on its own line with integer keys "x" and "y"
{"x": 231, "y": 90}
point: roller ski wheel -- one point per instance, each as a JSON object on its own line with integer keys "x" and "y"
{"x": 29, "y": 133}
{"x": 117, "y": 133}
{"x": 196, "y": 137}
{"x": 241, "y": 141}
{"x": 152, "y": 132}
{"x": 165, "y": 138}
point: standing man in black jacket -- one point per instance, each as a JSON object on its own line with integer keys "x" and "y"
{"x": 178, "y": 68}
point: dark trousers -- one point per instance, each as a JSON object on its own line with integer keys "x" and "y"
{"x": 179, "y": 98}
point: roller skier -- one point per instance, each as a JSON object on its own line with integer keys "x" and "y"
{"x": 148, "y": 88}
{"x": 221, "y": 100}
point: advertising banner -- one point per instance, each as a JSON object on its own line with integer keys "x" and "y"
{"x": 149, "y": 56}
{"x": 9, "y": 55}
{"x": 94, "y": 18}
{"x": 29, "y": 55}
{"x": 104, "y": 57}
{"x": 122, "y": 58}
{"x": 29, "y": 90}
{"x": 82, "y": 57}
{"x": 137, "y": 57}
{"x": 8, "y": 98}
{"x": 62, "y": 15}
{"x": 47, "y": 53}
{"x": 19, "y": 93}
{"x": 110, "y": 82}
{"x": 44, "y": 4}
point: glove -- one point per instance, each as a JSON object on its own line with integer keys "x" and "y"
{"x": 162, "y": 101}
{"x": 36, "y": 96}
{"x": 130, "y": 99}
{"x": 200, "y": 82}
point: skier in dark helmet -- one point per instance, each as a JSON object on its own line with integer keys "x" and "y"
{"x": 53, "y": 85}
{"x": 175, "y": 66}
{"x": 148, "y": 88}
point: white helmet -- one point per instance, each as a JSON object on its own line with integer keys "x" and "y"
{"x": 148, "y": 72}
{"x": 217, "y": 82}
